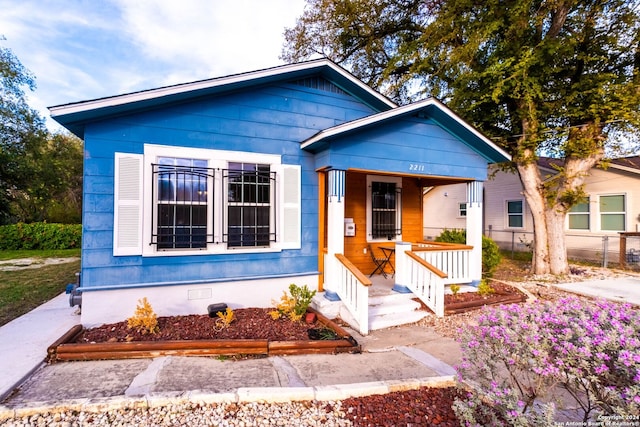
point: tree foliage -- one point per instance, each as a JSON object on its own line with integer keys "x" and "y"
{"x": 558, "y": 78}
{"x": 40, "y": 173}
{"x": 53, "y": 191}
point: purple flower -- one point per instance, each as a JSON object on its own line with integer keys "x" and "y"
{"x": 601, "y": 369}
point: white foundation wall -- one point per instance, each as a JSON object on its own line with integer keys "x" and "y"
{"x": 110, "y": 306}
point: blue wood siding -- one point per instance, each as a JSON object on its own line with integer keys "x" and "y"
{"x": 409, "y": 146}
{"x": 270, "y": 120}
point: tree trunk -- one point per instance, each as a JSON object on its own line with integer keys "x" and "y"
{"x": 532, "y": 185}
{"x": 549, "y": 202}
{"x": 558, "y": 261}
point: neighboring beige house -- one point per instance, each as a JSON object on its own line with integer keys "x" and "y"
{"x": 592, "y": 228}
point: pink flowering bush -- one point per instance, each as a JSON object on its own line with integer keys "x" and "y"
{"x": 519, "y": 358}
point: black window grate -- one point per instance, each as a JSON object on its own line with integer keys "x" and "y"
{"x": 181, "y": 191}
{"x": 386, "y": 199}
{"x": 250, "y": 218}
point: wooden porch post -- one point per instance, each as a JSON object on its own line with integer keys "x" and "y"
{"x": 474, "y": 230}
{"x": 335, "y": 231}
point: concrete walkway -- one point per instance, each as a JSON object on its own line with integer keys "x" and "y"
{"x": 622, "y": 289}
{"x": 24, "y": 341}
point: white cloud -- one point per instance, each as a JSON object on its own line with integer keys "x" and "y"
{"x": 82, "y": 49}
{"x": 210, "y": 38}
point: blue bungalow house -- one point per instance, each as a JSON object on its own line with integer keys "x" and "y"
{"x": 230, "y": 189}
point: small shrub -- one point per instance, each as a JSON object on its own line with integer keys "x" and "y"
{"x": 485, "y": 289}
{"x": 322, "y": 334}
{"x": 40, "y": 235}
{"x": 517, "y": 357}
{"x": 454, "y": 289}
{"x": 491, "y": 255}
{"x": 293, "y": 305}
{"x": 144, "y": 319}
{"x": 225, "y": 318}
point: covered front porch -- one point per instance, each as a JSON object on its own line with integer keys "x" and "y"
{"x": 371, "y": 176}
{"x": 423, "y": 270}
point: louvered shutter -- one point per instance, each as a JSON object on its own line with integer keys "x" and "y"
{"x": 127, "y": 227}
{"x": 290, "y": 189}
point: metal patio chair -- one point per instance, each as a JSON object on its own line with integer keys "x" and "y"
{"x": 380, "y": 262}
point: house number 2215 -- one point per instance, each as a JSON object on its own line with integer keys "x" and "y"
{"x": 416, "y": 167}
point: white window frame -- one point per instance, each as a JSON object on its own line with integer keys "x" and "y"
{"x": 381, "y": 178}
{"x": 587, "y": 213}
{"x": 507, "y": 215}
{"x": 624, "y": 212}
{"x": 217, "y": 159}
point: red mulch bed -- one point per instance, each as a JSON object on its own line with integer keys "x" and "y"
{"x": 464, "y": 301}
{"x": 249, "y": 323}
{"x": 422, "y": 407}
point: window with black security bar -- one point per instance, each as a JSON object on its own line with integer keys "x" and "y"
{"x": 250, "y": 195}
{"x": 385, "y": 218}
{"x": 181, "y": 189}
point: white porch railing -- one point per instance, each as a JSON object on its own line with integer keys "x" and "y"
{"x": 353, "y": 290}
{"x": 426, "y": 268}
{"x": 452, "y": 258}
{"x": 426, "y": 282}
{"x": 423, "y": 268}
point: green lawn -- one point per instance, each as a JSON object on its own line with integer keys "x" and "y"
{"x": 57, "y": 253}
{"x": 23, "y": 290}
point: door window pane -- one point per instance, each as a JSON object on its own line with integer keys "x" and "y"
{"x": 384, "y": 216}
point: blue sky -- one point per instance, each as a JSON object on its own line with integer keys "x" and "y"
{"x": 86, "y": 49}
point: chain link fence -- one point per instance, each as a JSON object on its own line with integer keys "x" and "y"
{"x": 602, "y": 249}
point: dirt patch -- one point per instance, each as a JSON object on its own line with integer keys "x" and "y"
{"x": 30, "y": 263}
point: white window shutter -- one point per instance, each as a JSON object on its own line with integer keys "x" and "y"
{"x": 290, "y": 224}
{"x": 127, "y": 224}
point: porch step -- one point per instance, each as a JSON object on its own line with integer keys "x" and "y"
{"x": 394, "y": 310}
{"x": 391, "y": 305}
{"x": 385, "y": 311}
{"x": 390, "y": 298}
{"x": 396, "y": 319}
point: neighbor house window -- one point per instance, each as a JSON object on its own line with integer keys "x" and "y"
{"x": 612, "y": 213}
{"x": 515, "y": 214}
{"x": 579, "y": 217}
{"x": 462, "y": 209}
{"x": 181, "y": 203}
{"x": 384, "y": 205}
{"x": 250, "y": 191}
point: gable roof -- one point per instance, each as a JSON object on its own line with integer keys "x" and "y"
{"x": 628, "y": 164}
{"x": 74, "y": 116}
{"x": 427, "y": 108}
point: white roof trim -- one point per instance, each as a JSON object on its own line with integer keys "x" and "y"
{"x": 405, "y": 109}
{"x": 209, "y": 83}
{"x": 624, "y": 168}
